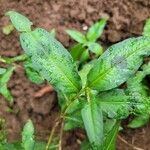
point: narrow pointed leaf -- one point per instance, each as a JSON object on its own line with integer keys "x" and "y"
{"x": 96, "y": 30}
{"x": 139, "y": 121}
{"x": 51, "y": 60}
{"x": 20, "y": 22}
{"x": 76, "y": 35}
{"x": 93, "y": 122}
{"x": 118, "y": 63}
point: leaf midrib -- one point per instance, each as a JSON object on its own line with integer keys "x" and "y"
{"x": 56, "y": 64}
{"x": 111, "y": 68}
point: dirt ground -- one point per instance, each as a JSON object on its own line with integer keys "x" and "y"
{"x": 126, "y": 19}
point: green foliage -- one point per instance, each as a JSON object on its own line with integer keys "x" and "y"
{"x": 118, "y": 63}
{"x": 138, "y": 91}
{"x": 89, "y": 98}
{"x": 87, "y": 43}
{"x": 31, "y": 73}
{"x": 139, "y": 121}
{"x": 4, "y": 78}
{"x": 146, "y": 31}
{"x": 20, "y": 22}
{"x": 28, "y": 136}
{"x": 77, "y": 36}
{"x": 110, "y": 139}
{"x": 49, "y": 58}
{"x": 96, "y": 30}
{"x": 114, "y": 103}
{"x": 93, "y": 122}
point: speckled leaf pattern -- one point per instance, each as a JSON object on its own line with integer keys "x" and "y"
{"x": 51, "y": 60}
{"x": 114, "y": 103}
{"x": 118, "y": 63}
{"x": 20, "y": 22}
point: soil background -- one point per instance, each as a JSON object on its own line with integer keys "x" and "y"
{"x": 126, "y": 19}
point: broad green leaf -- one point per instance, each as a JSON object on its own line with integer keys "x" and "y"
{"x": 96, "y": 30}
{"x": 28, "y": 136}
{"x": 95, "y": 48}
{"x": 110, "y": 139}
{"x": 93, "y": 122}
{"x": 139, "y": 121}
{"x": 146, "y": 31}
{"x": 8, "y": 29}
{"x": 20, "y": 22}
{"x": 51, "y": 60}
{"x": 31, "y": 73}
{"x": 76, "y": 51}
{"x": 114, "y": 103}
{"x": 4, "y": 78}
{"x": 76, "y": 35}
{"x": 118, "y": 63}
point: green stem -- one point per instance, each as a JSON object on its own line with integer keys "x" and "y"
{"x": 7, "y": 60}
{"x": 87, "y": 93}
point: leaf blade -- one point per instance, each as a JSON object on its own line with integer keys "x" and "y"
{"x": 20, "y": 22}
{"x": 28, "y": 136}
{"x": 76, "y": 35}
{"x": 118, "y": 63}
{"x": 93, "y": 122}
{"x": 96, "y": 30}
{"x": 51, "y": 60}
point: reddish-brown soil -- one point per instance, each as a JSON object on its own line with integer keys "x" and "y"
{"x": 126, "y": 19}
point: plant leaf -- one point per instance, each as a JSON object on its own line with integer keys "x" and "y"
{"x": 28, "y": 136}
{"x": 138, "y": 91}
{"x": 96, "y": 30}
{"x": 76, "y": 51}
{"x": 118, "y": 63}
{"x": 73, "y": 118}
{"x": 76, "y": 35}
{"x": 93, "y": 122}
{"x": 95, "y": 48}
{"x": 84, "y": 56}
{"x": 2, "y": 70}
{"x": 146, "y": 31}
{"x": 139, "y": 121}
{"x": 4, "y": 78}
{"x": 110, "y": 139}
{"x": 114, "y": 103}
{"x": 51, "y": 60}
{"x": 20, "y": 22}
{"x": 31, "y": 73}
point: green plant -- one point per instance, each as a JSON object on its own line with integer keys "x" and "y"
{"x": 86, "y": 44}
{"x": 28, "y": 141}
{"x": 91, "y": 98}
